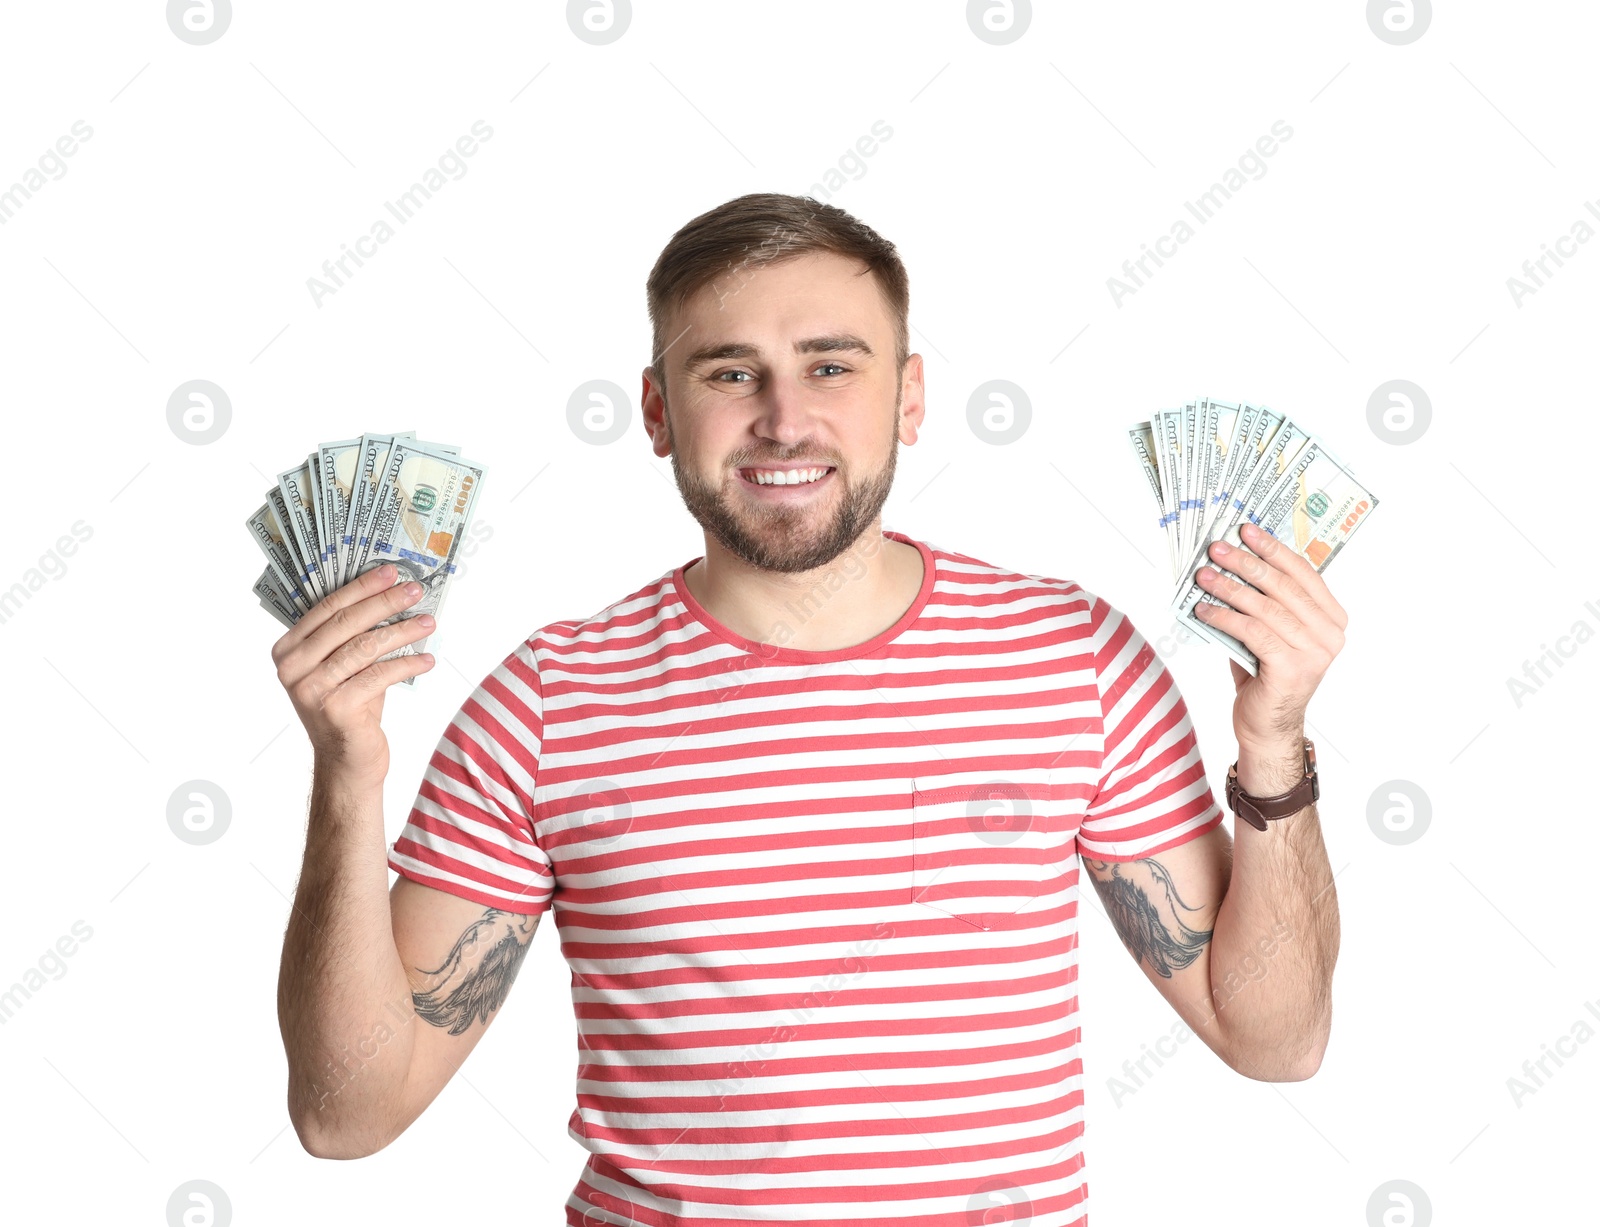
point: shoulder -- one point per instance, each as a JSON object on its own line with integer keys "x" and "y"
{"x": 628, "y": 623}
{"x": 1089, "y": 615}
{"x": 967, "y": 572}
{"x": 1103, "y": 640}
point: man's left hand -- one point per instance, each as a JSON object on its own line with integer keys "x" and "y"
{"x": 1284, "y": 614}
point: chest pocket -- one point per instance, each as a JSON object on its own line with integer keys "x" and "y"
{"x": 982, "y": 850}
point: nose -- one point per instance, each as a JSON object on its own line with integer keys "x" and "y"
{"x": 783, "y": 414}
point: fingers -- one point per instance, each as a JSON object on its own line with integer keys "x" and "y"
{"x": 1250, "y": 631}
{"x": 1277, "y": 559}
{"x": 385, "y": 673}
{"x": 1251, "y": 614}
{"x": 341, "y": 598}
{"x": 1263, "y": 626}
{"x": 345, "y": 612}
{"x": 1288, "y": 607}
{"x": 360, "y": 652}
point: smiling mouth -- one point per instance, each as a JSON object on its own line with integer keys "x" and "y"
{"x": 782, "y": 478}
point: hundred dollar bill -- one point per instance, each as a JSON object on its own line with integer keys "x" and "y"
{"x": 1220, "y": 418}
{"x": 1266, "y": 466}
{"x": 336, "y": 473}
{"x": 1169, "y": 457}
{"x": 371, "y": 459}
{"x": 272, "y": 600}
{"x": 1238, "y": 432}
{"x": 1212, "y": 464}
{"x": 319, "y": 517}
{"x": 1233, "y": 430}
{"x": 301, "y": 572}
{"x": 273, "y": 587}
{"x": 355, "y": 504}
{"x": 267, "y": 532}
{"x": 1313, "y": 509}
{"x": 422, "y": 504}
{"x": 1185, "y": 419}
{"x": 1142, "y": 439}
{"x": 1252, "y": 445}
{"x": 295, "y": 487}
{"x": 1203, "y": 462}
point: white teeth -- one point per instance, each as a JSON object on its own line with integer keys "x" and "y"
{"x": 794, "y": 477}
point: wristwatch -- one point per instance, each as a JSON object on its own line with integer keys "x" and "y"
{"x": 1257, "y": 810}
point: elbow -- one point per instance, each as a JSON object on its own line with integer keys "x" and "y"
{"x": 1302, "y": 1070}
{"x": 322, "y": 1139}
{"x": 332, "y": 1146}
{"x": 1280, "y": 1064}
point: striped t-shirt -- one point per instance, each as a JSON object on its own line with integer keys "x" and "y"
{"x": 821, "y": 908}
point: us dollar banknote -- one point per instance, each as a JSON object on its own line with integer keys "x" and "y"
{"x": 1212, "y": 465}
{"x": 355, "y": 504}
{"x": 422, "y": 504}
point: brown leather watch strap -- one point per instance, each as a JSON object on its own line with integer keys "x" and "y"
{"x": 1258, "y": 810}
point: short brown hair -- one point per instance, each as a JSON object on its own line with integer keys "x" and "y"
{"x": 765, "y": 228}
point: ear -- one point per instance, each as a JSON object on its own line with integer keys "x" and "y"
{"x": 913, "y": 400}
{"x": 653, "y": 409}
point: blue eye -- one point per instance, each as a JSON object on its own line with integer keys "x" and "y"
{"x": 720, "y": 374}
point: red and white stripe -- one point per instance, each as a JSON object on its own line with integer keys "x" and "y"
{"x": 820, "y": 907}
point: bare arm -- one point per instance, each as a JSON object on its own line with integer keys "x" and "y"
{"x": 1240, "y": 939}
{"x": 1277, "y": 936}
{"x": 344, "y": 1001}
{"x": 361, "y": 963}
{"x": 1285, "y": 614}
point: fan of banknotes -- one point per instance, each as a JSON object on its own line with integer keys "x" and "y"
{"x": 1212, "y": 465}
{"x": 356, "y": 504}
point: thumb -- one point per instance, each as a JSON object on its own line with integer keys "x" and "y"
{"x": 1240, "y": 677}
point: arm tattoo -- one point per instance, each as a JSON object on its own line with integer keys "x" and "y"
{"x": 476, "y": 976}
{"x": 1145, "y": 911}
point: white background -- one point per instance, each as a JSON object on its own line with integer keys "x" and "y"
{"x": 1018, "y": 178}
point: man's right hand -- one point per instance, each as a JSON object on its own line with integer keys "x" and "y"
{"x": 326, "y": 661}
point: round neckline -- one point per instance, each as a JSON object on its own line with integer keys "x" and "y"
{"x": 800, "y": 656}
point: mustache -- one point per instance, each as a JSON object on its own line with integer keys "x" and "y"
{"x": 755, "y": 464}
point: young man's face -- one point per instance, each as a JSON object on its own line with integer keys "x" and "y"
{"x": 739, "y": 397}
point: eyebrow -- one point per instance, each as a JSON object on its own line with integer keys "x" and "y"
{"x": 827, "y": 343}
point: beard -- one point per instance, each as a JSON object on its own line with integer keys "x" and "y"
{"x": 789, "y": 538}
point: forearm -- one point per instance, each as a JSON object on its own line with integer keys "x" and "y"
{"x": 1276, "y": 936}
{"x": 341, "y": 982}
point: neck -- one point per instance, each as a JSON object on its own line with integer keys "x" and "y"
{"x": 847, "y": 601}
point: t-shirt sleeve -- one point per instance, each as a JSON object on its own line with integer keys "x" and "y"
{"x": 1152, "y": 793}
{"x": 471, "y": 829}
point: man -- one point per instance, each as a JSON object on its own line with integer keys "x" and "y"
{"x": 811, "y": 809}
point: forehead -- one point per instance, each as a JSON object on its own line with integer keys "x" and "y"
{"x": 815, "y": 303}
